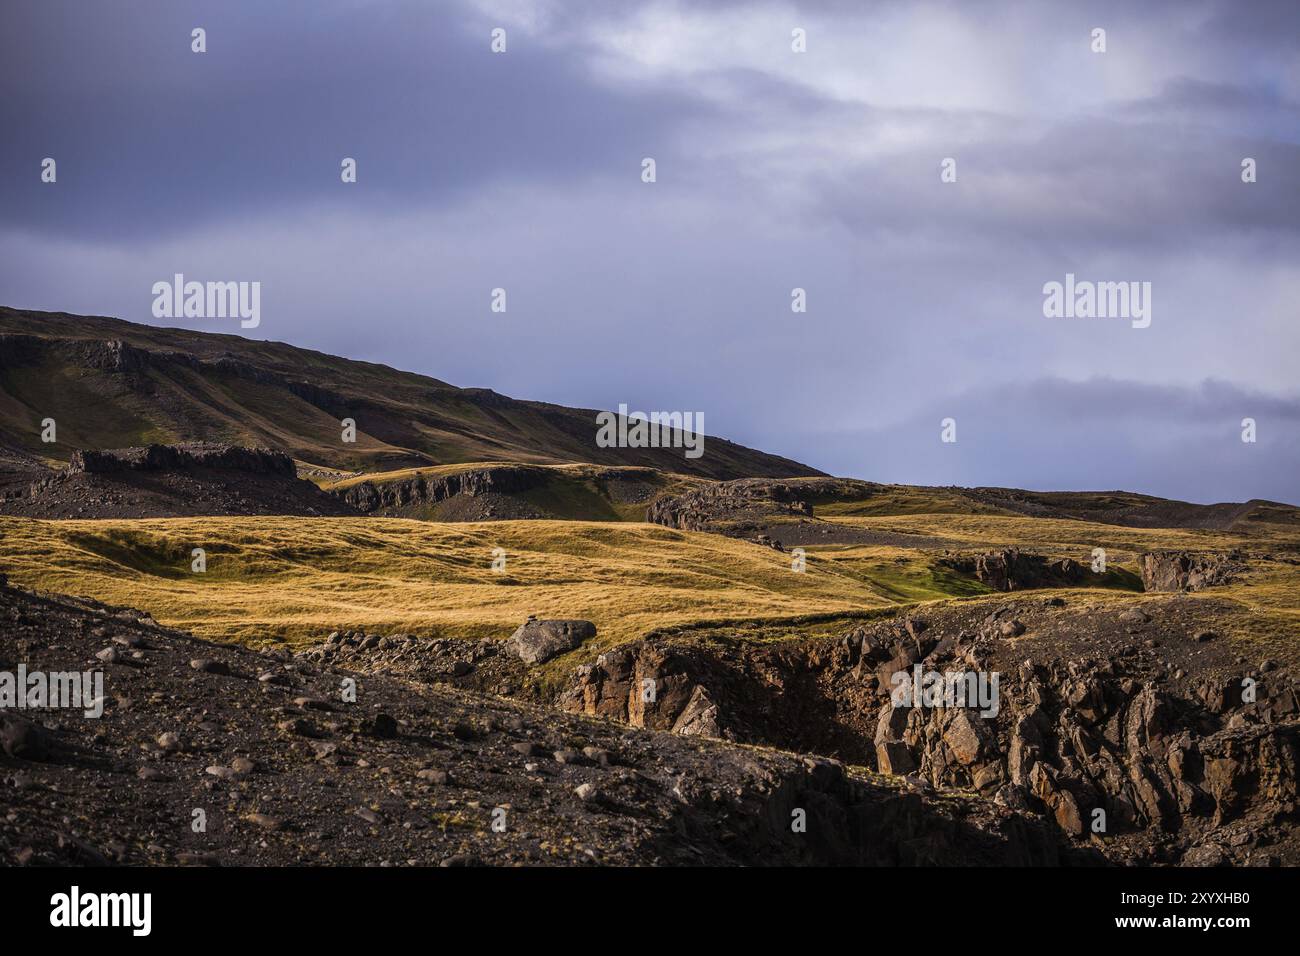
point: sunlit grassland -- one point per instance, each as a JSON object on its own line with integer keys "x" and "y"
{"x": 1057, "y": 536}
{"x": 1268, "y": 591}
{"x": 299, "y": 578}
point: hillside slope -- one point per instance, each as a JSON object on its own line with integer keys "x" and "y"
{"x": 114, "y": 384}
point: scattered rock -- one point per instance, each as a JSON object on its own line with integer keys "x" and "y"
{"x": 208, "y": 666}
{"x": 265, "y": 821}
{"x": 380, "y": 725}
{"x": 22, "y": 739}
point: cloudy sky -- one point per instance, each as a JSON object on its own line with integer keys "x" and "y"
{"x": 775, "y": 170}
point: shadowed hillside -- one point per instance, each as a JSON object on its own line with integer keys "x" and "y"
{"x": 114, "y": 384}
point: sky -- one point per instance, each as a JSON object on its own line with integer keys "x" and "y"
{"x": 774, "y": 170}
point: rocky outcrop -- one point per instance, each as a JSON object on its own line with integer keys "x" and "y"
{"x": 733, "y": 505}
{"x": 1103, "y": 747}
{"x": 172, "y": 481}
{"x": 536, "y": 642}
{"x": 644, "y": 683}
{"x": 1187, "y": 570}
{"x": 1014, "y": 570}
{"x": 368, "y": 497}
{"x": 253, "y": 461}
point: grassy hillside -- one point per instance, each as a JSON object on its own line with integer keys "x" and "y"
{"x": 110, "y": 383}
{"x": 1064, "y": 537}
{"x": 850, "y": 498}
{"x": 299, "y": 578}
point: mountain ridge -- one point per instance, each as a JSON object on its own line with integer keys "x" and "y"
{"x": 110, "y": 383}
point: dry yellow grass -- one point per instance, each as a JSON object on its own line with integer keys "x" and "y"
{"x": 1052, "y": 535}
{"x": 296, "y": 579}
{"x": 299, "y": 578}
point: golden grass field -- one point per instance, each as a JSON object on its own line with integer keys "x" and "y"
{"x": 300, "y": 578}
{"x": 296, "y": 579}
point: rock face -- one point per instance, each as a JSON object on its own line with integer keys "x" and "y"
{"x": 368, "y": 497}
{"x": 536, "y": 642}
{"x": 254, "y": 461}
{"x": 778, "y": 513}
{"x": 1186, "y": 570}
{"x": 1096, "y": 733}
{"x": 731, "y": 505}
{"x": 172, "y": 480}
{"x": 1014, "y": 570}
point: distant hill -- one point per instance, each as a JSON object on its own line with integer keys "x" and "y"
{"x": 114, "y": 384}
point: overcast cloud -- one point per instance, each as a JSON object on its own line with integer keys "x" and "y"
{"x": 775, "y": 170}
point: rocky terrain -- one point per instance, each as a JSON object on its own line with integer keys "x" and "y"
{"x": 171, "y": 480}
{"x": 493, "y": 491}
{"x": 1150, "y": 712}
{"x": 1015, "y": 570}
{"x": 474, "y": 712}
{"x": 776, "y": 513}
{"x": 505, "y": 492}
{"x": 1188, "y": 571}
{"x": 218, "y": 756}
{"x": 790, "y": 508}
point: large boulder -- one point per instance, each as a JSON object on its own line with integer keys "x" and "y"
{"x": 1186, "y": 570}
{"x": 536, "y": 642}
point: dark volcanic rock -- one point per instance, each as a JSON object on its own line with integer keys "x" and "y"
{"x": 1164, "y": 746}
{"x": 172, "y": 480}
{"x": 1186, "y": 570}
{"x": 21, "y": 738}
{"x": 368, "y": 497}
{"x": 430, "y": 795}
{"x": 733, "y": 505}
{"x": 256, "y": 461}
{"x": 536, "y": 642}
{"x": 1012, "y": 570}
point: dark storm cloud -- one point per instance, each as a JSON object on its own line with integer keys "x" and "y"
{"x": 776, "y": 170}
{"x": 152, "y": 138}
